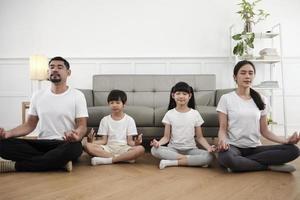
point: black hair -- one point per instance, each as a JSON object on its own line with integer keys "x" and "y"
{"x": 182, "y": 87}
{"x": 117, "y": 95}
{"x": 66, "y": 63}
{"x": 254, "y": 94}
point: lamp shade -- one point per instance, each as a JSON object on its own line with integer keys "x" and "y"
{"x": 38, "y": 67}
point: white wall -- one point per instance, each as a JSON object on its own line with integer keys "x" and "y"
{"x": 134, "y": 37}
{"x": 131, "y": 28}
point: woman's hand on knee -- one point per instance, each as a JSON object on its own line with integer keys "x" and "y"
{"x": 294, "y": 139}
{"x": 222, "y": 145}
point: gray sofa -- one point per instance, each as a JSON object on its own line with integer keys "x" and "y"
{"x": 148, "y": 98}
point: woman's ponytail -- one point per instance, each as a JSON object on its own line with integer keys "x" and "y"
{"x": 257, "y": 99}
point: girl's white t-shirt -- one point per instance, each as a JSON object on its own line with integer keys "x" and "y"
{"x": 183, "y": 128}
{"x": 117, "y": 130}
{"x": 243, "y": 119}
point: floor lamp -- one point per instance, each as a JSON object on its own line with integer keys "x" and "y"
{"x": 38, "y": 68}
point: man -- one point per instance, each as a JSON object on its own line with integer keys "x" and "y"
{"x": 60, "y": 114}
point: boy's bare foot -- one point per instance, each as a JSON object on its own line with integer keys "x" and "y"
{"x": 69, "y": 166}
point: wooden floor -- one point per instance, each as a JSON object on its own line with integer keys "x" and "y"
{"x": 144, "y": 181}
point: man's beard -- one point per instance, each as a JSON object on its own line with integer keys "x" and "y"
{"x": 55, "y": 78}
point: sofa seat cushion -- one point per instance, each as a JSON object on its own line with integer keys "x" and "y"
{"x": 159, "y": 114}
{"x": 142, "y": 115}
{"x": 209, "y": 115}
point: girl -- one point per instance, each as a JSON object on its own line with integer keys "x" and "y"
{"x": 243, "y": 119}
{"x": 182, "y": 122}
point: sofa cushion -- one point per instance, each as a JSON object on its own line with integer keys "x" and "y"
{"x": 221, "y": 92}
{"x": 96, "y": 113}
{"x": 89, "y": 96}
{"x": 159, "y": 114}
{"x": 205, "y": 98}
{"x": 152, "y": 90}
{"x": 209, "y": 115}
{"x": 142, "y": 115}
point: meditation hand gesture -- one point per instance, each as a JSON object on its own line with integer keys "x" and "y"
{"x": 91, "y": 136}
{"x": 222, "y": 145}
{"x": 72, "y": 136}
{"x": 138, "y": 140}
{"x": 212, "y": 148}
{"x": 154, "y": 143}
{"x": 4, "y": 134}
{"x": 294, "y": 139}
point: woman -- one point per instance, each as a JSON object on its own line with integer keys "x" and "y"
{"x": 243, "y": 119}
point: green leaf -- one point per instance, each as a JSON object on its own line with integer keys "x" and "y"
{"x": 235, "y": 49}
{"x": 250, "y": 45}
{"x": 241, "y": 49}
{"x": 237, "y": 37}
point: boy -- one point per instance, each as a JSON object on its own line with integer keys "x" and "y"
{"x": 117, "y": 130}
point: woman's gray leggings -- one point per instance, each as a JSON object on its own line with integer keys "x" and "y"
{"x": 195, "y": 156}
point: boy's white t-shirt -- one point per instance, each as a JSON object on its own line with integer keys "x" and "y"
{"x": 117, "y": 130}
{"x": 57, "y": 112}
{"x": 243, "y": 119}
{"x": 183, "y": 128}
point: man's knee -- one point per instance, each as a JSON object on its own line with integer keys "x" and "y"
{"x": 73, "y": 150}
{"x": 6, "y": 145}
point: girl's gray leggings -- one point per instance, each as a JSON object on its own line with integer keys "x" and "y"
{"x": 195, "y": 156}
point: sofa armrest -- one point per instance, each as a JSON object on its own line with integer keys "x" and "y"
{"x": 89, "y": 96}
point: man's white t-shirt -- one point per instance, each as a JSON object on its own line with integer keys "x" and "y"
{"x": 182, "y": 128}
{"x": 57, "y": 112}
{"x": 117, "y": 130}
{"x": 243, "y": 119}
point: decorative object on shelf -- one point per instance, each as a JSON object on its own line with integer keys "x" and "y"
{"x": 246, "y": 38}
{"x": 268, "y": 84}
{"x": 268, "y": 54}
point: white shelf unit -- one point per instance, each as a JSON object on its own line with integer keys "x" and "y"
{"x": 274, "y": 32}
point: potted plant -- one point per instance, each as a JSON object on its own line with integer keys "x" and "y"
{"x": 245, "y": 39}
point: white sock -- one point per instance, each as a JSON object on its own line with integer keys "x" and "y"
{"x": 101, "y": 161}
{"x": 167, "y": 163}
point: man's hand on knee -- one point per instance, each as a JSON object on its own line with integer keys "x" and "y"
{"x": 72, "y": 136}
{"x": 3, "y": 134}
